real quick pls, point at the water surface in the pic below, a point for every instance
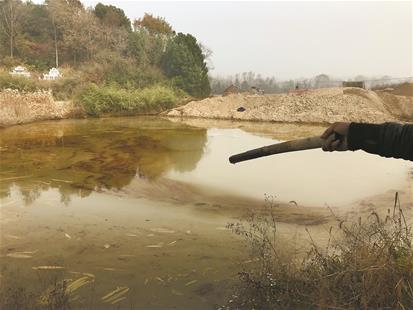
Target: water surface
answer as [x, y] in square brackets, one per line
[142, 203]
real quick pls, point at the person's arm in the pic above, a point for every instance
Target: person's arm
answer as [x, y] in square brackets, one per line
[388, 139]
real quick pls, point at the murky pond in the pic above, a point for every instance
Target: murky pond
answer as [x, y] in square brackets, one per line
[133, 210]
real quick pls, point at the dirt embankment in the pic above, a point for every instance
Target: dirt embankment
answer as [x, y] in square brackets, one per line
[399, 101]
[312, 106]
[19, 108]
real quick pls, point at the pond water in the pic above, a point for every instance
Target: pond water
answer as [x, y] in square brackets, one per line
[141, 203]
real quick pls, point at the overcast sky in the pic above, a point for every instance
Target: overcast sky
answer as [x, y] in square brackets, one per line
[294, 39]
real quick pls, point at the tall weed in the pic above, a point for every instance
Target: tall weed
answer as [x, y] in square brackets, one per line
[366, 265]
[97, 100]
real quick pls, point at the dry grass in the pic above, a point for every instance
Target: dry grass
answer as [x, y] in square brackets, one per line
[366, 265]
[54, 298]
[18, 107]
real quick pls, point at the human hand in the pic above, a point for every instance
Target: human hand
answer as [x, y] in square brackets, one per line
[335, 137]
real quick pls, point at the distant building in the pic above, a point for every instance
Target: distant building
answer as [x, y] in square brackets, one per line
[231, 90]
[359, 84]
[52, 75]
[20, 71]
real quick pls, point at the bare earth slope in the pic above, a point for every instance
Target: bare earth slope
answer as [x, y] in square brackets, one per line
[313, 106]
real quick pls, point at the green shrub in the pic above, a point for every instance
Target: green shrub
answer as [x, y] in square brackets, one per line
[110, 68]
[98, 100]
[64, 88]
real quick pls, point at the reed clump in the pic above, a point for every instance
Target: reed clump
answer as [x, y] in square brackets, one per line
[97, 100]
[18, 107]
[367, 264]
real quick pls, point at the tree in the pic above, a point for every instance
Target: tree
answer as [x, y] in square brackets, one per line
[244, 86]
[55, 42]
[35, 37]
[154, 25]
[322, 80]
[146, 48]
[184, 62]
[138, 47]
[147, 43]
[9, 9]
[250, 77]
[112, 16]
[77, 32]
[207, 52]
[236, 82]
[246, 80]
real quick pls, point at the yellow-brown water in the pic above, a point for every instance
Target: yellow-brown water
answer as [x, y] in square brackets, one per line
[142, 203]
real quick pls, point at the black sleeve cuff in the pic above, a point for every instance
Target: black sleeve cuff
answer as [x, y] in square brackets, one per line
[362, 136]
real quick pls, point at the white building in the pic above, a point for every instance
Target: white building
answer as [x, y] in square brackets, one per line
[20, 71]
[52, 75]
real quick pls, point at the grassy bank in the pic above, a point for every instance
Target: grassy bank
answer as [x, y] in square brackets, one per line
[366, 265]
[24, 100]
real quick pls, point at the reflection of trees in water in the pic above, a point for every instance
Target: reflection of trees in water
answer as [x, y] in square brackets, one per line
[78, 157]
[30, 194]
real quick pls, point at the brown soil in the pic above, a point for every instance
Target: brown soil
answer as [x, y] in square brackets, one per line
[405, 89]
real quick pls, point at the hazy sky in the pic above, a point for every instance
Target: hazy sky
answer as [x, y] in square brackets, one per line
[294, 39]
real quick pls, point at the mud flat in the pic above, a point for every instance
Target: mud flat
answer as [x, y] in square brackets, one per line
[327, 105]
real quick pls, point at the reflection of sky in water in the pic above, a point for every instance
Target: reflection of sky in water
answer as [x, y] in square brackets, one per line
[308, 177]
[78, 157]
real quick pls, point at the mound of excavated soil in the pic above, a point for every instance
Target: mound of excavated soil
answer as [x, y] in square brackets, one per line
[401, 107]
[313, 106]
[405, 89]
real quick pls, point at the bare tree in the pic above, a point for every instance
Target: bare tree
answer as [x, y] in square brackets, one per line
[207, 54]
[55, 41]
[9, 22]
[75, 31]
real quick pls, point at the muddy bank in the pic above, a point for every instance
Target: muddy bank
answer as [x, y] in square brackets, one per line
[20, 108]
[309, 106]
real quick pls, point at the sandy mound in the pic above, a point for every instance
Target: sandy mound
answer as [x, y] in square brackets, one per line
[313, 106]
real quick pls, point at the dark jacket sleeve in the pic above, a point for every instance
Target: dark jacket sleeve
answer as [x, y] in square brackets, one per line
[388, 139]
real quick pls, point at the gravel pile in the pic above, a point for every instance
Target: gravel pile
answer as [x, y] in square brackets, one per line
[314, 106]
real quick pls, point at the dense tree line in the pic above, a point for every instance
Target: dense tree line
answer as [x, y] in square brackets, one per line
[102, 43]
